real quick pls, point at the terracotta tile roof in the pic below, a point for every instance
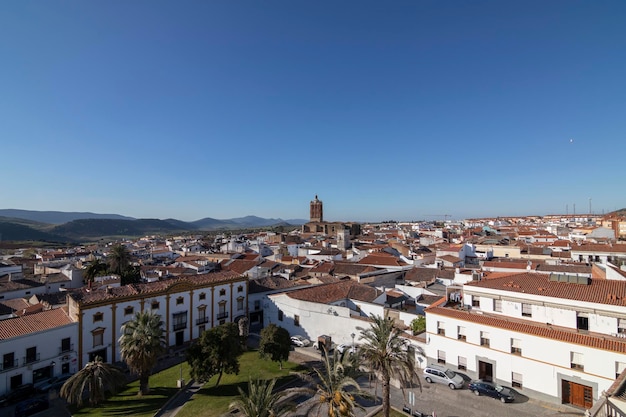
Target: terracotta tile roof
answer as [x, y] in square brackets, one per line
[18, 284]
[240, 266]
[273, 283]
[32, 323]
[85, 297]
[381, 259]
[350, 268]
[322, 268]
[421, 274]
[593, 340]
[450, 258]
[601, 291]
[569, 269]
[591, 247]
[505, 264]
[340, 290]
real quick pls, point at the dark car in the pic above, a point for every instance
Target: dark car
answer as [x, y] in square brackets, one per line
[492, 390]
[53, 383]
[18, 394]
[30, 407]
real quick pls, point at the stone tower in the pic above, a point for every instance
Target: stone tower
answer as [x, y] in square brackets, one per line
[316, 212]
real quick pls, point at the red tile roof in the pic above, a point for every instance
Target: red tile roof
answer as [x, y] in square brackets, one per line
[341, 290]
[593, 340]
[33, 323]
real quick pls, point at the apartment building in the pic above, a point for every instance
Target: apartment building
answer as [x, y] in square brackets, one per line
[556, 337]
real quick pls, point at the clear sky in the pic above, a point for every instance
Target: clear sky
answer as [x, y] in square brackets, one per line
[386, 110]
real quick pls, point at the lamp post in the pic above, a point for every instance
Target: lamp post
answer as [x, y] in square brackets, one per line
[352, 335]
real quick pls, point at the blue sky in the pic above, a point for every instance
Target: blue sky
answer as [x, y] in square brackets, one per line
[386, 110]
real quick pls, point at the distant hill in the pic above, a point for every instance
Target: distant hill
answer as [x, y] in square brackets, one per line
[57, 217]
[31, 227]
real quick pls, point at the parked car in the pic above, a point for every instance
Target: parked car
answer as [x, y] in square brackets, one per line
[480, 387]
[300, 341]
[18, 394]
[443, 375]
[53, 383]
[29, 407]
[346, 347]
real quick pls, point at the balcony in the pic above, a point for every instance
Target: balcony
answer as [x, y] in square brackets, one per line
[66, 349]
[222, 315]
[31, 359]
[179, 326]
[6, 365]
[202, 320]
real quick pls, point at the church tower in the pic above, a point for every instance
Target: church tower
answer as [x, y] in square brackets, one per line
[316, 212]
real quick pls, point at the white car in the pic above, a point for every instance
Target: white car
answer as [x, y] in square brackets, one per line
[300, 341]
[346, 347]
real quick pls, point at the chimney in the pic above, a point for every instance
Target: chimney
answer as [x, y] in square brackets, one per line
[108, 290]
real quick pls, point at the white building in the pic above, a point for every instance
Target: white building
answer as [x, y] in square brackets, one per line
[188, 305]
[555, 337]
[37, 346]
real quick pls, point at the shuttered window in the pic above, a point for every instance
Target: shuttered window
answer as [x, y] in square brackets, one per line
[461, 333]
[619, 368]
[462, 363]
[577, 361]
[516, 380]
[441, 356]
[516, 346]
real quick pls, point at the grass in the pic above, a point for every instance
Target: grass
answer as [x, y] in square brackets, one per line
[162, 387]
[208, 402]
[213, 401]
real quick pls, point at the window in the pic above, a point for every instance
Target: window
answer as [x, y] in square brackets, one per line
[240, 288]
[280, 315]
[516, 346]
[221, 313]
[475, 301]
[296, 320]
[619, 368]
[441, 357]
[98, 337]
[516, 380]
[202, 296]
[461, 333]
[577, 361]
[527, 310]
[9, 361]
[66, 345]
[484, 339]
[201, 329]
[621, 326]
[31, 355]
[179, 320]
[497, 306]
[202, 318]
[441, 329]
[180, 301]
[240, 303]
[98, 317]
[462, 363]
[582, 321]
[128, 310]
[257, 305]
[222, 292]
[155, 305]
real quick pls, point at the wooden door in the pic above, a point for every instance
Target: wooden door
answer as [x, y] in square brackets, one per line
[576, 394]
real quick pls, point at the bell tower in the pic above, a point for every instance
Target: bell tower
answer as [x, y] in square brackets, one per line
[316, 211]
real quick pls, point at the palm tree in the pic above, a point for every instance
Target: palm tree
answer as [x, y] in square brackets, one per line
[141, 343]
[95, 268]
[118, 259]
[337, 387]
[97, 378]
[260, 401]
[387, 354]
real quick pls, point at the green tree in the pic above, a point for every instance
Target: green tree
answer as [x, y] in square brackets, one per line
[275, 344]
[96, 378]
[387, 354]
[216, 352]
[118, 259]
[336, 385]
[95, 269]
[261, 401]
[141, 343]
[418, 325]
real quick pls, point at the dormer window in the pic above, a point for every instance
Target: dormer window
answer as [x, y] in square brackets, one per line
[202, 296]
[98, 317]
[129, 310]
[155, 305]
[180, 300]
[222, 292]
[240, 288]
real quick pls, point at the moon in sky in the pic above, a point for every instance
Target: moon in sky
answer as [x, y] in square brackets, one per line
[571, 141]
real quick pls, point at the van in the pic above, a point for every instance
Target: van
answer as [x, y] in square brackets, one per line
[442, 375]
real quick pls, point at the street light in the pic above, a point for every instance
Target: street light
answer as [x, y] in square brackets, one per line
[352, 335]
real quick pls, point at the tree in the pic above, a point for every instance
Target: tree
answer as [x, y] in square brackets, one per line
[387, 354]
[261, 401]
[97, 378]
[337, 387]
[275, 344]
[244, 330]
[118, 259]
[215, 352]
[141, 343]
[95, 268]
[418, 325]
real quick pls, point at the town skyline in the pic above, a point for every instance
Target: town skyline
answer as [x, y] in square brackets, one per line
[396, 111]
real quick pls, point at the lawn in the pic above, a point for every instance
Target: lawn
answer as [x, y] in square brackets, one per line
[208, 402]
[213, 401]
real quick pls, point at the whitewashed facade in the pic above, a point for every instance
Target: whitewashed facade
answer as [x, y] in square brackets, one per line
[188, 305]
[558, 340]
